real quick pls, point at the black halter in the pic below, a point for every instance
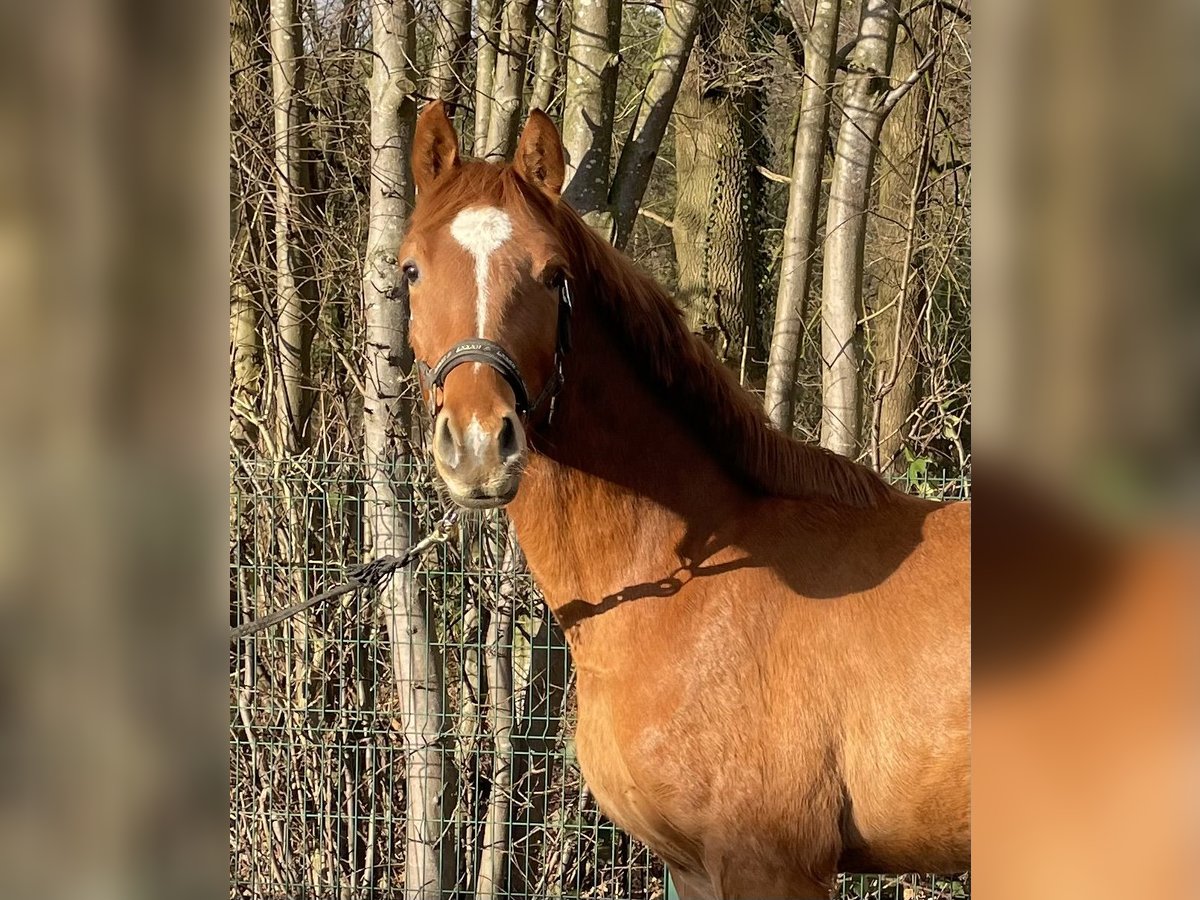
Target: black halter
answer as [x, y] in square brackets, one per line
[490, 353]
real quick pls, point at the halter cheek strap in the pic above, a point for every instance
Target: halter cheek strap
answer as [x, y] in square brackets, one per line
[481, 350]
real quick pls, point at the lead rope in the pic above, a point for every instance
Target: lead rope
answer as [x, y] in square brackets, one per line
[374, 574]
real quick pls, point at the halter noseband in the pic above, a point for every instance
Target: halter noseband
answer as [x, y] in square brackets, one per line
[490, 353]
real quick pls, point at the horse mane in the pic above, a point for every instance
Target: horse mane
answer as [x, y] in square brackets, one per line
[646, 321]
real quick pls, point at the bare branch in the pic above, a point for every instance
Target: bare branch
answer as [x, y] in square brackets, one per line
[655, 217]
[772, 176]
[896, 94]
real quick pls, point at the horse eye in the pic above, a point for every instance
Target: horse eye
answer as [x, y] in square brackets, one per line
[554, 278]
[410, 271]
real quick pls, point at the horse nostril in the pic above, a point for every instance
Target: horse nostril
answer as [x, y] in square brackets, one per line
[509, 446]
[444, 442]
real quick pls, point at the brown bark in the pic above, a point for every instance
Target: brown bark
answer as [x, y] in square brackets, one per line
[715, 199]
[804, 194]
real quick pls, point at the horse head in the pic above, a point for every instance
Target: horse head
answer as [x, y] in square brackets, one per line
[488, 290]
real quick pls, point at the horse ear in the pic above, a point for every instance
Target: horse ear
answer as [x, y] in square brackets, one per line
[539, 157]
[435, 146]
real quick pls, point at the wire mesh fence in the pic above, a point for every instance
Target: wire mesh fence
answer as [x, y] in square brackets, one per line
[320, 773]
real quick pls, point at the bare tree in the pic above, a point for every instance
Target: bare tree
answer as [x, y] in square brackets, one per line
[451, 29]
[386, 412]
[293, 290]
[508, 85]
[250, 61]
[494, 861]
[590, 97]
[486, 41]
[716, 138]
[547, 60]
[681, 20]
[899, 291]
[867, 98]
[819, 29]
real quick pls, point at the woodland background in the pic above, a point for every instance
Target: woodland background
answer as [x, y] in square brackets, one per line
[798, 172]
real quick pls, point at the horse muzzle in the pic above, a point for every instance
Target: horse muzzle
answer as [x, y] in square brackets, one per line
[480, 463]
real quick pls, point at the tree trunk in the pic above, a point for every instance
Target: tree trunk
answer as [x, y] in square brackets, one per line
[493, 863]
[486, 41]
[716, 194]
[804, 195]
[546, 65]
[386, 413]
[250, 63]
[246, 344]
[451, 29]
[899, 294]
[680, 23]
[293, 269]
[508, 88]
[535, 744]
[591, 95]
[863, 96]
[468, 752]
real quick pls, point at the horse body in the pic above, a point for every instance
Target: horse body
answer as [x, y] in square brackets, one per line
[772, 646]
[771, 690]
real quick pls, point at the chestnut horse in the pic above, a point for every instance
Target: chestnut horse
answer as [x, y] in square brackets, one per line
[772, 645]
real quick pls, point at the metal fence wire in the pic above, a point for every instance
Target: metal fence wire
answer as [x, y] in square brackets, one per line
[318, 763]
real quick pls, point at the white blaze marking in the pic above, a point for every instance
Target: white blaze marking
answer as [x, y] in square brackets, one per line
[481, 231]
[477, 438]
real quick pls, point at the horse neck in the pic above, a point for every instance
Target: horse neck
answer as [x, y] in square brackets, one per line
[618, 491]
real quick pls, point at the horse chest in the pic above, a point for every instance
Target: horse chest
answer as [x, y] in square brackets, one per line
[624, 770]
[601, 755]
